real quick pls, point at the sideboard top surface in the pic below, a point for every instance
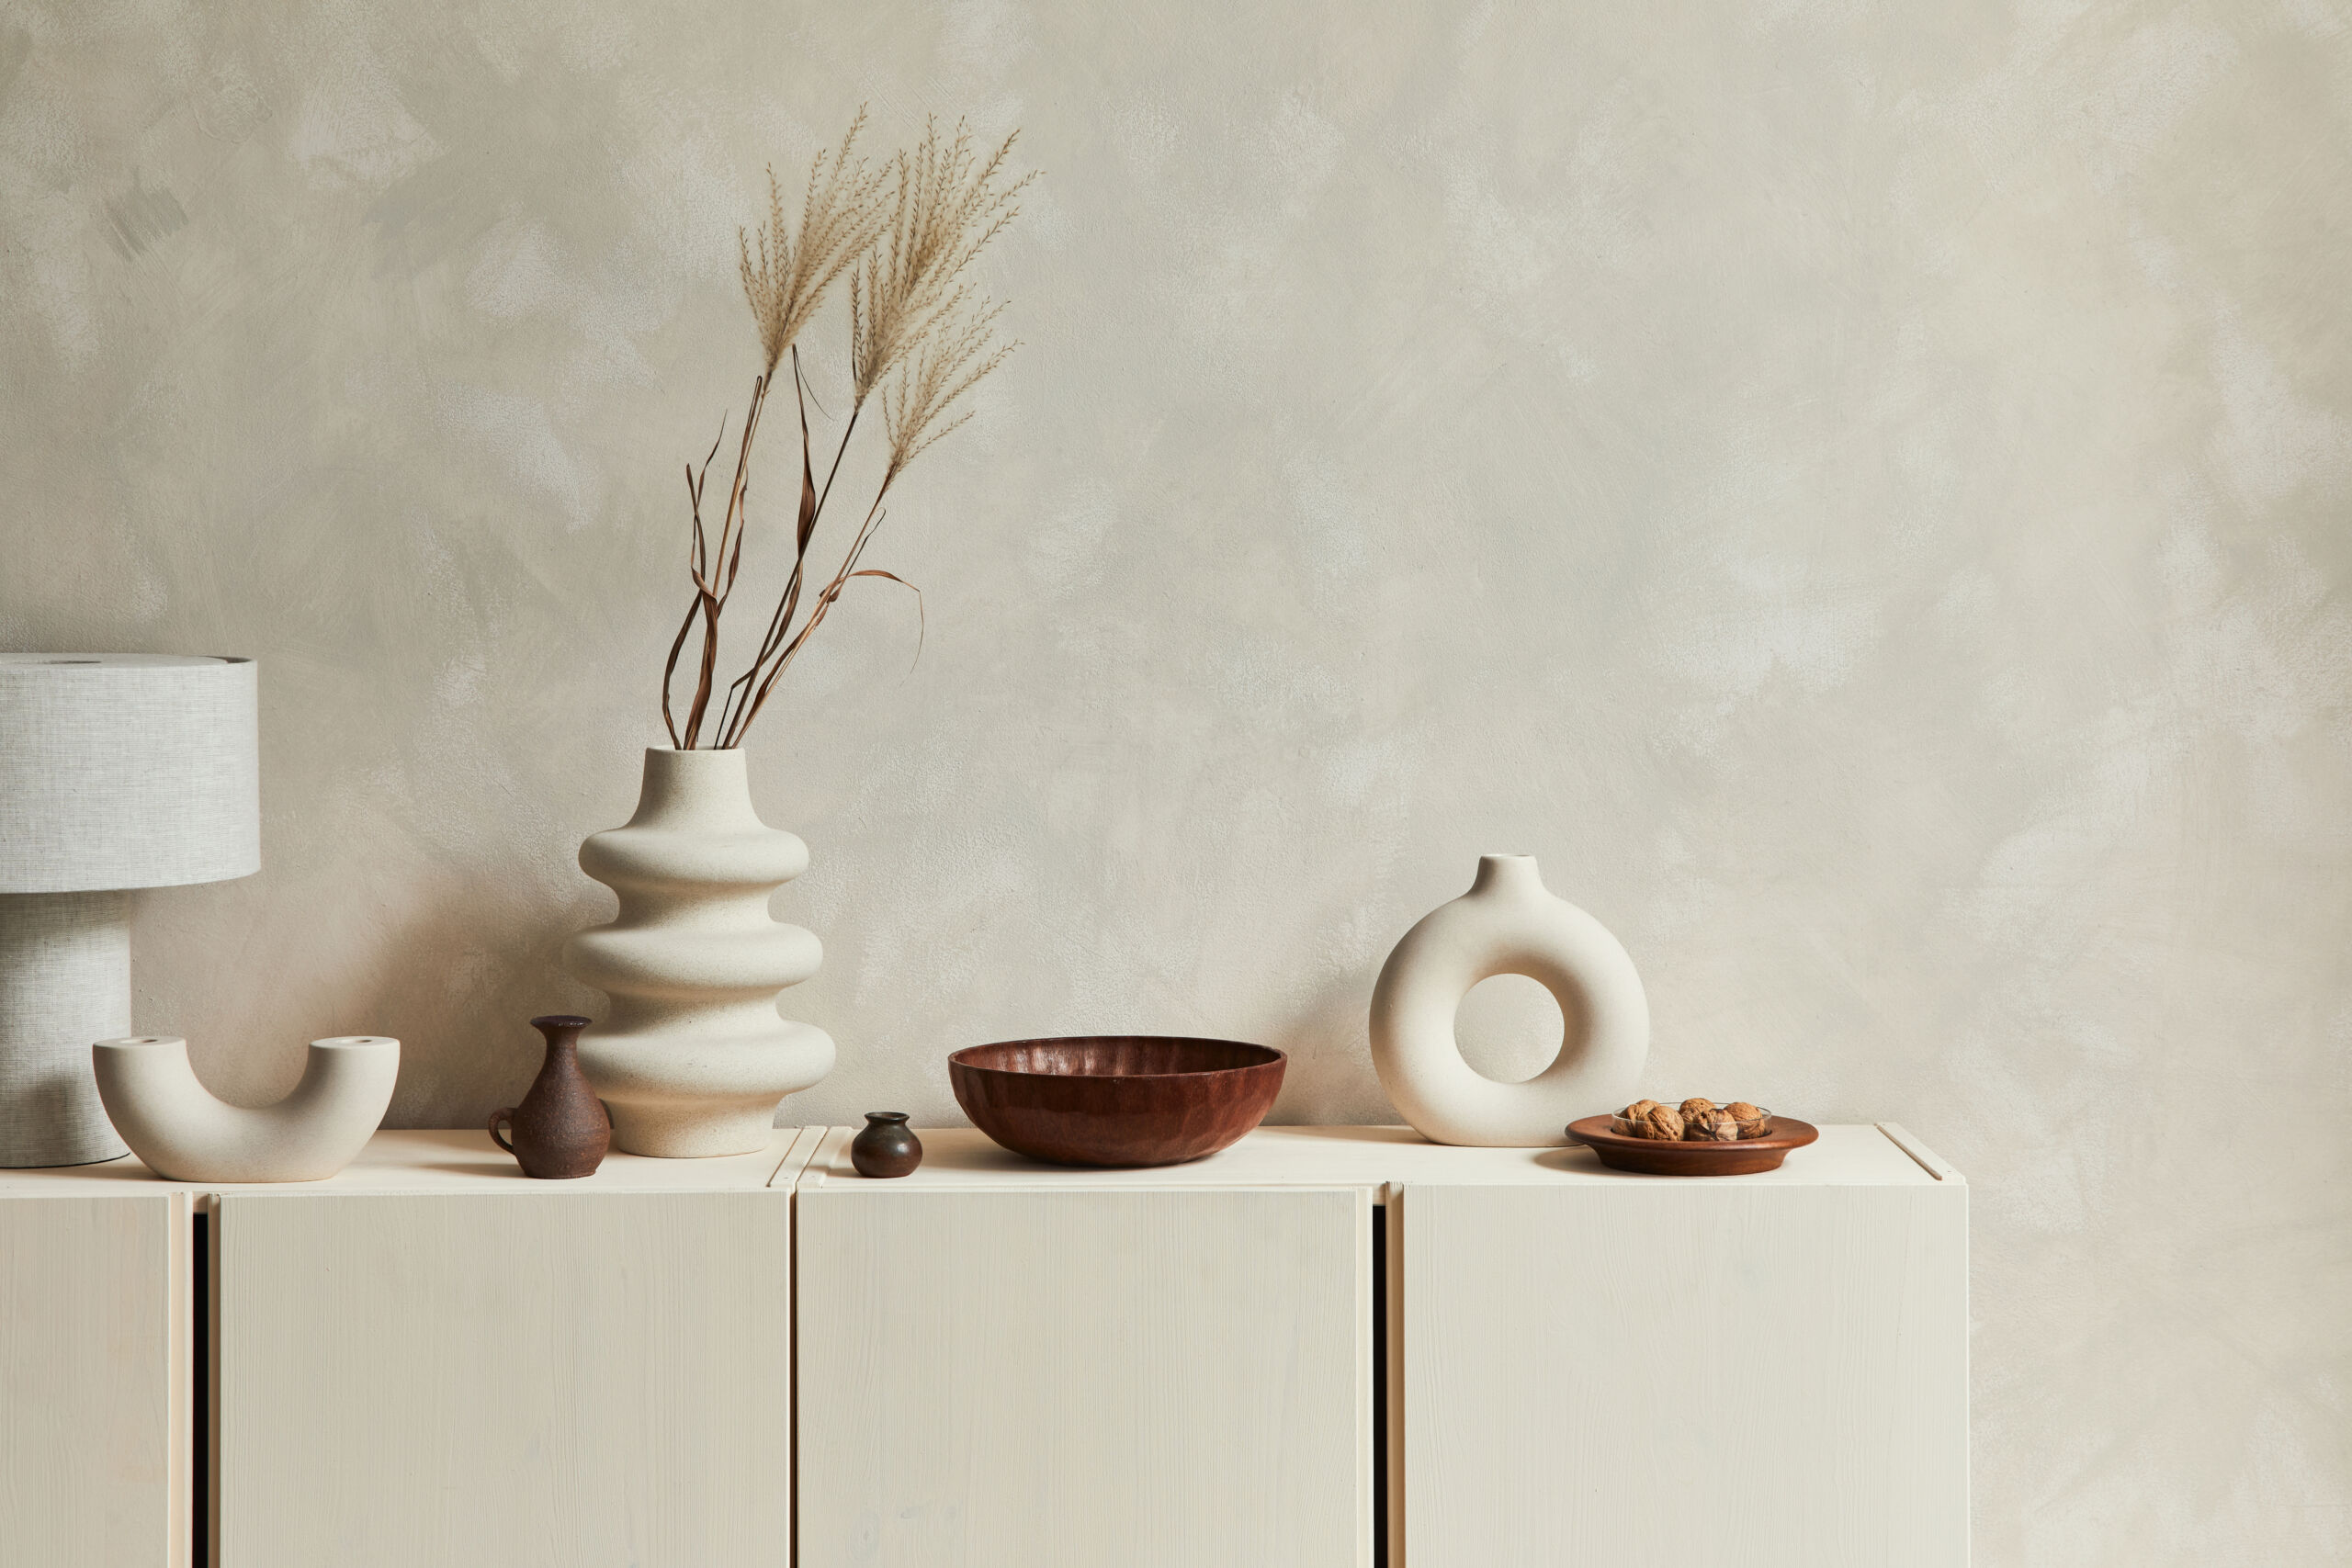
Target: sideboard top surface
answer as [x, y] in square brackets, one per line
[414, 1160]
[964, 1159]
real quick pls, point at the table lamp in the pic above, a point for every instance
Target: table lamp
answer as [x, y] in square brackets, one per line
[116, 771]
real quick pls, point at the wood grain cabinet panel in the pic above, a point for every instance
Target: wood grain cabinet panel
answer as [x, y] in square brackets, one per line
[429, 1360]
[1652, 1373]
[95, 1343]
[1049, 1376]
[558, 1379]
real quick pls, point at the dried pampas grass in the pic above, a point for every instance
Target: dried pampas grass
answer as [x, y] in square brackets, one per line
[785, 274]
[920, 337]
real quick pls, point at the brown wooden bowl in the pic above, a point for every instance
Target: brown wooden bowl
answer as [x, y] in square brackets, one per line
[1654, 1157]
[1121, 1101]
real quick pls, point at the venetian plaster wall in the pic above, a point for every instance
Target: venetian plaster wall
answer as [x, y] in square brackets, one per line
[1858, 492]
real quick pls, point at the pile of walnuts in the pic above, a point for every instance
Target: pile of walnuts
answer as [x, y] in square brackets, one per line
[1695, 1121]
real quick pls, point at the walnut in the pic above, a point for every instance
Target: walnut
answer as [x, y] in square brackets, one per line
[1714, 1127]
[1696, 1106]
[1754, 1119]
[1663, 1122]
[1627, 1123]
[1745, 1111]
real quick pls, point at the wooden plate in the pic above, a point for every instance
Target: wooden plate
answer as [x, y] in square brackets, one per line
[1655, 1158]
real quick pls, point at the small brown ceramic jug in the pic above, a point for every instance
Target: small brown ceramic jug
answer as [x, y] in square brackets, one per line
[887, 1146]
[562, 1129]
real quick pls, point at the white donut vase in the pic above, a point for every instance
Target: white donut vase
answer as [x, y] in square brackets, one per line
[1508, 923]
[184, 1132]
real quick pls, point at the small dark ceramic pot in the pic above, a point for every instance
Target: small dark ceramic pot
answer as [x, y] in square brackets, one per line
[887, 1147]
[562, 1129]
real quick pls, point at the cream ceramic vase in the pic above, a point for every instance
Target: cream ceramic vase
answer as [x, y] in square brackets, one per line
[692, 1058]
[1508, 923]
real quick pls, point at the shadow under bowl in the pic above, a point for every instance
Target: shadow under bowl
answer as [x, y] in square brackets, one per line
[1117, 1101]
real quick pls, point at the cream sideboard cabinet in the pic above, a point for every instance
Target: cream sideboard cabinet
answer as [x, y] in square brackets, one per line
[1624, 1369]
[96, 1377]
[1008, 1363]
[1324, 1348]
[1004, 1365]
[431, 1358]
[427, 1360]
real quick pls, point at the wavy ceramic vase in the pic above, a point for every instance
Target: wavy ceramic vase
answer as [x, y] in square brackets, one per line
[184, 1134]
[692, 1058]
[1508, 923]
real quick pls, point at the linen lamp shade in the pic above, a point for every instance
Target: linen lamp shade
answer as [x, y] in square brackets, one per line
[116, 771]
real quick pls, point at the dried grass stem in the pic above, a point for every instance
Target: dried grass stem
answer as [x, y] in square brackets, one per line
[920, 337]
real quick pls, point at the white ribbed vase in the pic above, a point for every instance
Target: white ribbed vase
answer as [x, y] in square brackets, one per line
[691, 1056]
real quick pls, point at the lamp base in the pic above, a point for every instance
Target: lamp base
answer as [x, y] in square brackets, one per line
[64, 985]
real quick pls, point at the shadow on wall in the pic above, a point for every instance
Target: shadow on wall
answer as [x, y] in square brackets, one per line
[458, 980]
[467, 1046]
[456, 985]
[1328, 1039]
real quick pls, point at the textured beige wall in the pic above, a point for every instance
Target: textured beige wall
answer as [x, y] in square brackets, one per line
[1858, 492]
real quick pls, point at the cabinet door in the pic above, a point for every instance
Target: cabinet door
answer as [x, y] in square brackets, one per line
[565, 1381]
[1091, 1379]
[94, 1380]
[1666, 1373]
